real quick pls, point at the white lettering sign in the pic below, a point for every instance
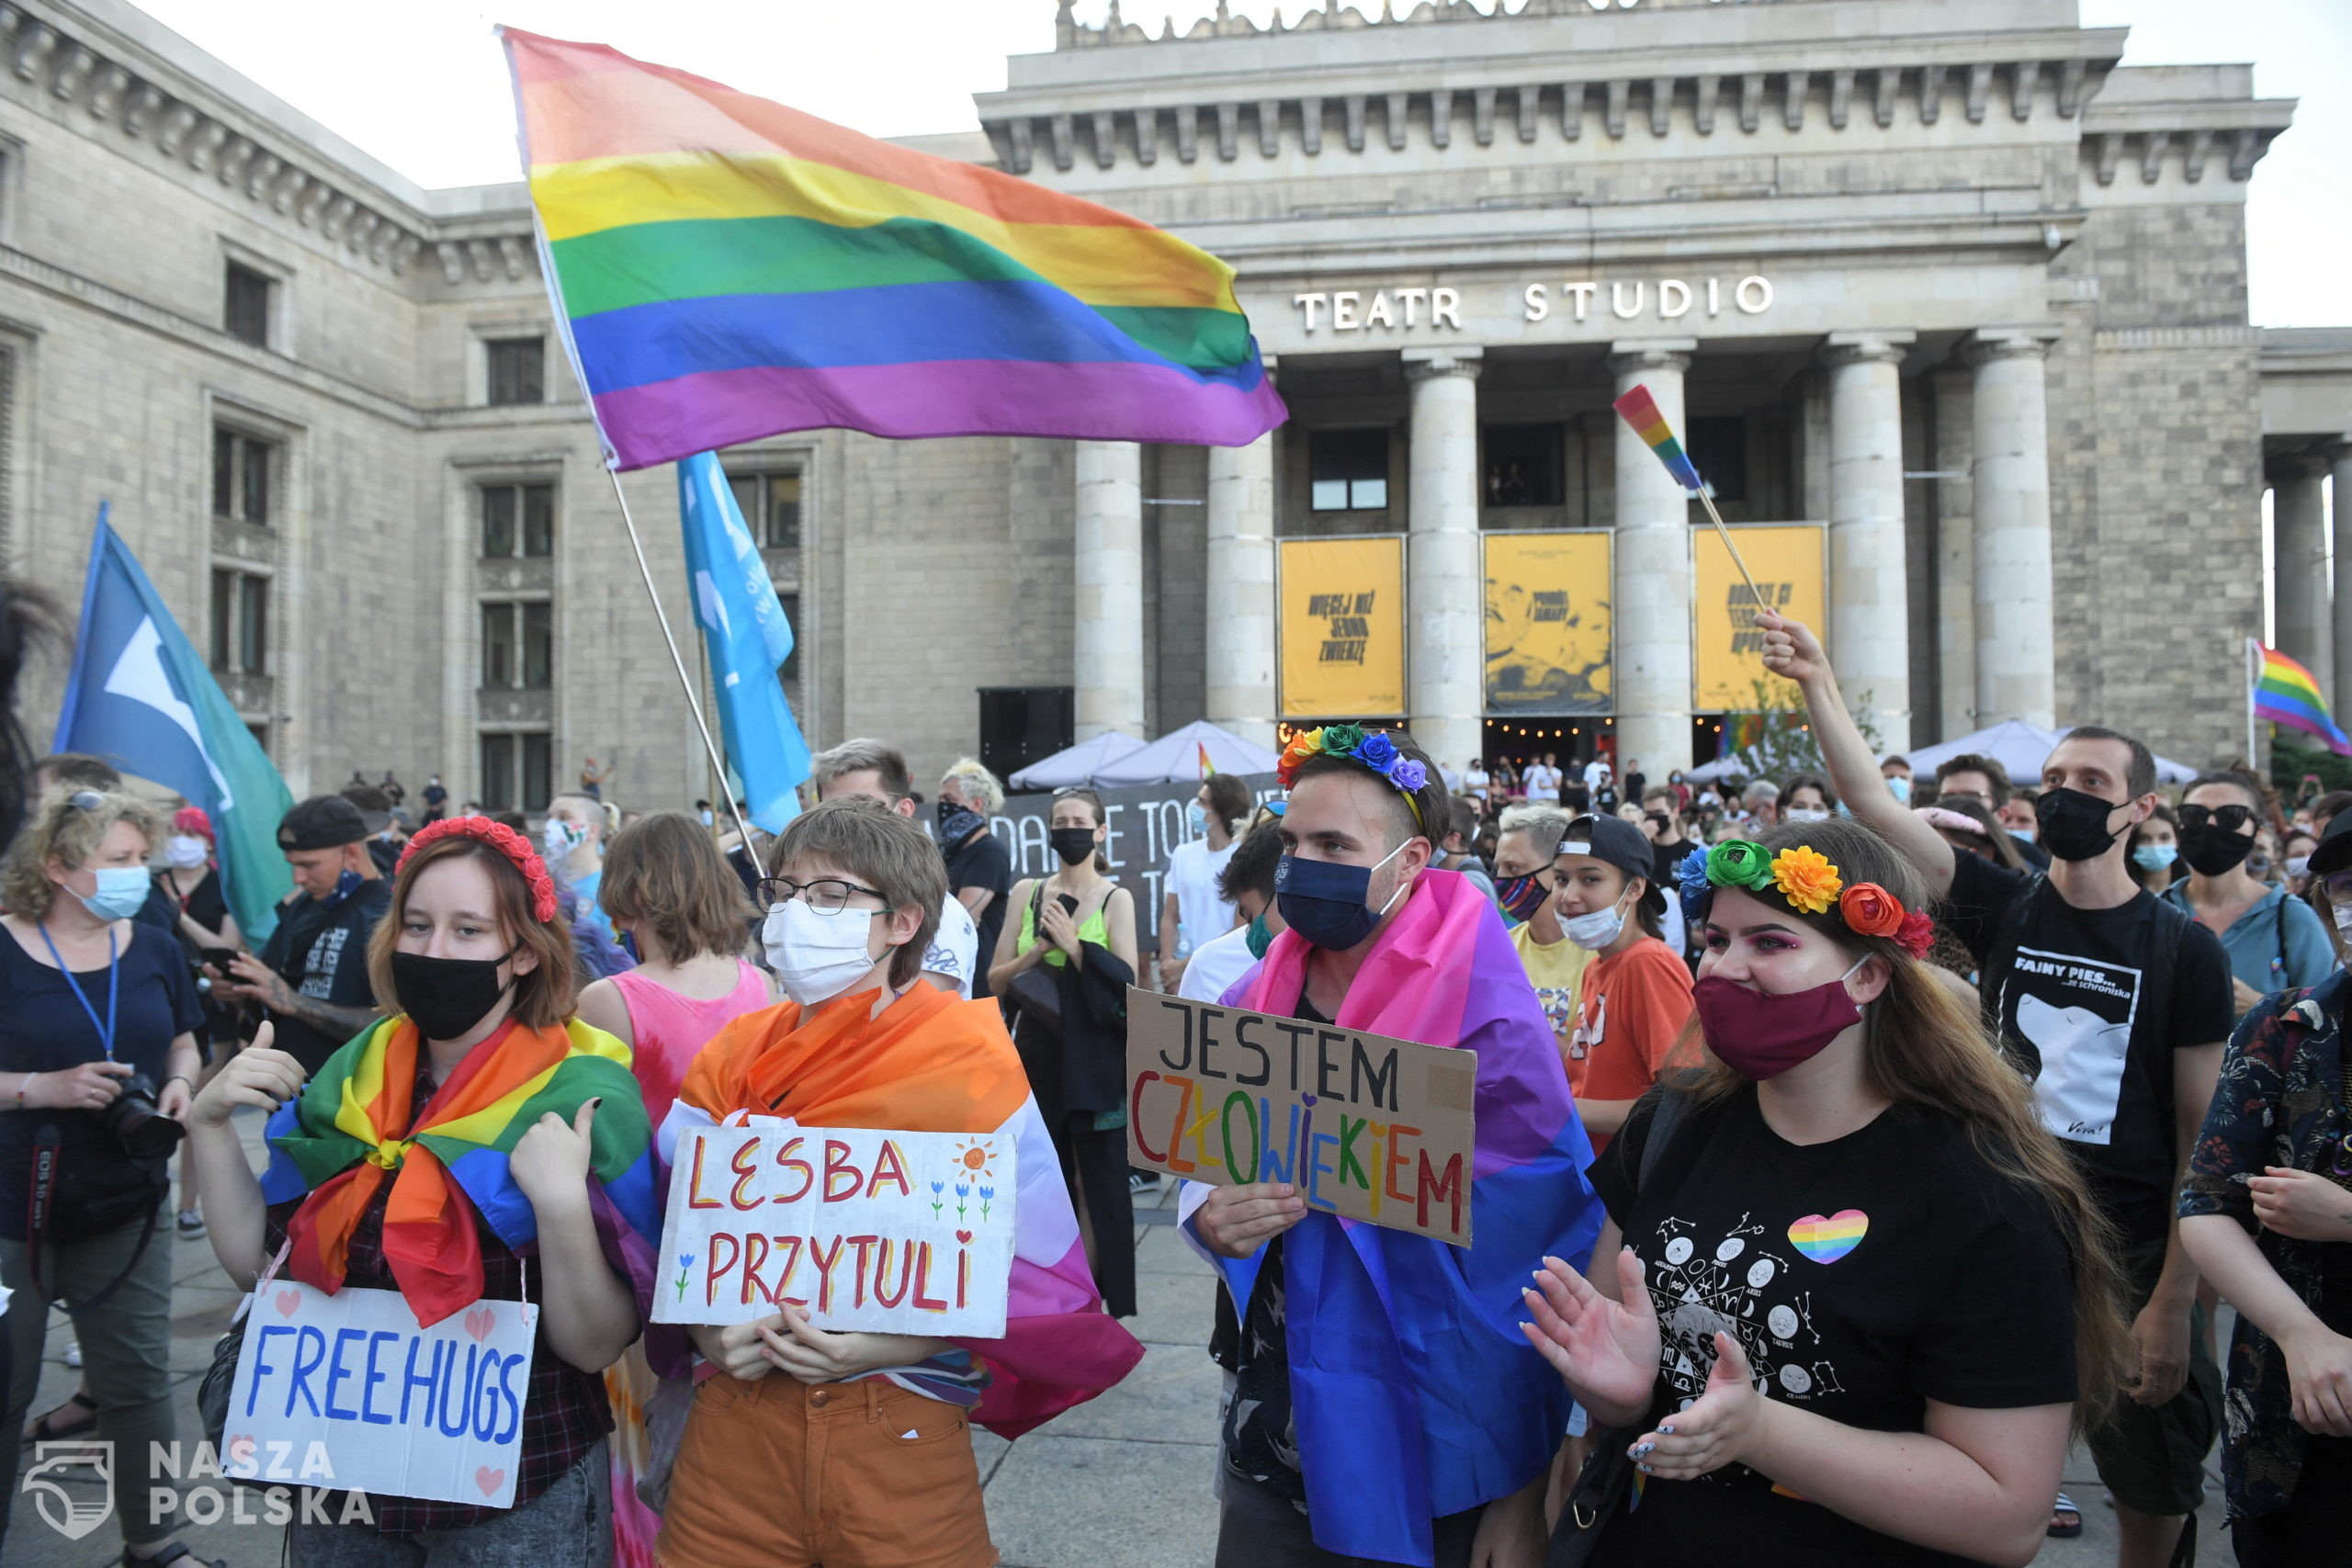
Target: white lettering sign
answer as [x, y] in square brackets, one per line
[1384, 311]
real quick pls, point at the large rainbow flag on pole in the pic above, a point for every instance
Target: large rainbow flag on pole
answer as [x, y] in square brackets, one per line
[728, 268]
[2285, 692]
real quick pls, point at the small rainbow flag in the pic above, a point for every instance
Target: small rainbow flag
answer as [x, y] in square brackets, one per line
[1208, 769]
[728, 268]
[2284, 693]
[1638, 409]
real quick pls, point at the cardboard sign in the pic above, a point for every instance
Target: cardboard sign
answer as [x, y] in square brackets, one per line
[397, 1409]
[896, 1232]
[1375, 1129]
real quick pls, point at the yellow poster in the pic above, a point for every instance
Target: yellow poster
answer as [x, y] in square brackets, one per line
[1548, 624]
[1791, 571]
[1342, 627]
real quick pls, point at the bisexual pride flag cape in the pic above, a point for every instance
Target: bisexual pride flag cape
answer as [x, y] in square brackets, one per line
[349, 1131]
[1413, 1393]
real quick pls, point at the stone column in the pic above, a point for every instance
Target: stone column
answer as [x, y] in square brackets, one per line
[2298, 565]
[1445, 590]
[2015, 644]
[2340, 697]
[1870, 622]
[1107, 653]
[1240, 641]
[1650, 588]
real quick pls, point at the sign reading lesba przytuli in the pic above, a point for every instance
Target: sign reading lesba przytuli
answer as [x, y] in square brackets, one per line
[1374, 1128]
[894, 1232]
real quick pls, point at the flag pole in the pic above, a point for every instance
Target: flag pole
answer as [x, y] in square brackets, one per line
[2253, 684]
[678, 663]
[1755, 599]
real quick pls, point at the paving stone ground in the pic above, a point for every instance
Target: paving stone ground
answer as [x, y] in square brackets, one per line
[1121, 1481]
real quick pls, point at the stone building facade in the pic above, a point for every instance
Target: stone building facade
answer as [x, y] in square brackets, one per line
[1937, 274]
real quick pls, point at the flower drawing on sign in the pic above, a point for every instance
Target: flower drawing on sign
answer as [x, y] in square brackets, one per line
[963, 1190]
[936, 1189]
[686, 1263]
[987, 1195]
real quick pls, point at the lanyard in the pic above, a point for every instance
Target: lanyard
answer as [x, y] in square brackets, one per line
[114, 977]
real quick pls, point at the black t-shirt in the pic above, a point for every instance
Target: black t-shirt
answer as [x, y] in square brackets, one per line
[981, 862]
[2077, 1006]
[1669, 858]
[1863, 1277]
[208, 905]
[321, 949]
[49, 1032]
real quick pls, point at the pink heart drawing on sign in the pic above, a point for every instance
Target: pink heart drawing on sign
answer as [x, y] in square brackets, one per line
[490, 1480]
[963, 1235]
[238, 1452]
[287, 1302]
[479, 1321]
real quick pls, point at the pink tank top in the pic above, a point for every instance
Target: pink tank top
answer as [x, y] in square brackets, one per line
[671, 1030]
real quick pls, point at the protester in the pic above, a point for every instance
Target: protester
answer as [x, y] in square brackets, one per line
[375, 816]
[1807, 798]
[475, 961]
[1456, 851]
[1896, 772]
[787, 1469]
[1681, 788]
[100, 1055]
[2300, 844]
[1543, 779]
[206, 927]
[2117, 1004]
[313, 974]
[1923, 1346]
[953, 960]
[1759, 804]
[1477, 782]
[1600, 787]
[1193, 913]
[2155, 850]
[1526, 883]
[573, 841]
[2275, 943]
[1662, 824]
[1079, 925]
[979, 870]
[1634, 997]
[1248, 883]
[1381, 1409]
[592, 777]
[1636, 782]
[436, 799]
[2329, 807]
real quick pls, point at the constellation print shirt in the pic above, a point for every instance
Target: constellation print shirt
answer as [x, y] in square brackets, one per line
[1862, 1278]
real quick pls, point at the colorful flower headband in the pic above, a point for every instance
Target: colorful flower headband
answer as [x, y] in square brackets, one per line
[1805, 878]
[1371, 747]
[506, 841]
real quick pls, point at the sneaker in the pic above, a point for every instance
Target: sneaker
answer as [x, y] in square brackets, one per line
[1139, 1183]
[190, 1222]
[74, 1354]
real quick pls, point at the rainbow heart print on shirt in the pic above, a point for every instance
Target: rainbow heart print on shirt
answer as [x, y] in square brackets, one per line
[1827, 1240]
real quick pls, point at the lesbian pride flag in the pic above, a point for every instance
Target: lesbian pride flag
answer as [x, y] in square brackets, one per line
[728, 268]
[2285, 692]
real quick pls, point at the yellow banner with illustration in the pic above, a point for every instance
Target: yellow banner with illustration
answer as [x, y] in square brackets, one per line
[1548, 624]
[1789, 563]
[1341, 627]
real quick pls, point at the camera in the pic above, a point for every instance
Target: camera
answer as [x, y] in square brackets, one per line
[144, 1132]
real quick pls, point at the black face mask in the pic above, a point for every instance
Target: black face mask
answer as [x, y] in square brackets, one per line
[2212, 849]
[1073, 844]
[958, 823]
[446, 996]
[2073, 824]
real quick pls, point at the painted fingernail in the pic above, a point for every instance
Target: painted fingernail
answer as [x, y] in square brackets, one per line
[1551, 1262]
[1667, 1427]
[1646, 1470]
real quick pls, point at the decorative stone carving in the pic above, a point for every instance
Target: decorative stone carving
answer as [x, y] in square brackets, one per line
[1270, 127]
[1530, 100]
[1393, 118]
[1188, 133]
[1058, 127]
[1980, 87]
[1441, 116]
[1228, 132]
[35, 43]
[1612, 113]
[1751, 101]
[1355, 104]
[1572, 110]
[1841, 94]
[1106, 138]
[2110, 149]
[2025, 76]
[107, 89]
[1146, 137]
[517, 259]
[1310, 126]
[2152, 156]
[205, 144]
[2192, 161]
[142, 109]
[176, 123]
[1661, 104]
[1796, 86]
[1931, 94]
[2070, 87]
[1885, 81]
[72, 72]
[1702, 108]
[453, 257]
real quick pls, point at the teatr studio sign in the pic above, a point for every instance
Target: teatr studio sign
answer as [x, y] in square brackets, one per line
[1425, 308]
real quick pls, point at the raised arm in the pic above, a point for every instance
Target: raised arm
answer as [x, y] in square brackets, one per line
[1793, 651]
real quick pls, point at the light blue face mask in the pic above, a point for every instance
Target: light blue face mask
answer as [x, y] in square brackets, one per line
[1196, 820]
[1900, 787]
[121, 892]
[2154, 857]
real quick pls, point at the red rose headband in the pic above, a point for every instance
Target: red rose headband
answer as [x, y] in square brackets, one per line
[506, 841]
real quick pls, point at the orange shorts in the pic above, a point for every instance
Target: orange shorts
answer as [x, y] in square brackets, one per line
[778, 1474]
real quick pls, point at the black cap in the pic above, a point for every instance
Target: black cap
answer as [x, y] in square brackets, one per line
[321, 822]
[2334, 851]
[1612, 839]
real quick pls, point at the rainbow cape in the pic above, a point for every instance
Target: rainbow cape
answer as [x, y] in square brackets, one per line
[1638, 409]
[2285, 692]
[933, 1064]
[349, 1131]
[728, 268]
[1414, 1393]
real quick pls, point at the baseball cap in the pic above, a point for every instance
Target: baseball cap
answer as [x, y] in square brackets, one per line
[1613, 841]
[2334, 850]
[321, 822]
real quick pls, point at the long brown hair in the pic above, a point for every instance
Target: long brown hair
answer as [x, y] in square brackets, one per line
[543, 999]
[1921, 1046]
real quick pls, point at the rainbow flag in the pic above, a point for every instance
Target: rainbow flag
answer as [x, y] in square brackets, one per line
[1638, 409]
[1208, 769]
[2284, 693]
[728, 268]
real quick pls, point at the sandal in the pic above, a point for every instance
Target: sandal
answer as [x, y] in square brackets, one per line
[44, 1428]
[2064, 1506]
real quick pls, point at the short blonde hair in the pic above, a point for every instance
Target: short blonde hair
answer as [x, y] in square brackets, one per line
[979, 785]
[70, 833]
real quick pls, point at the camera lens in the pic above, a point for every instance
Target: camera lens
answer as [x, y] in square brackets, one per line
[132, 1119]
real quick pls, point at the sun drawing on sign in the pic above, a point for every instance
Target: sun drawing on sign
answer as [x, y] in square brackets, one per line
[973, 1160]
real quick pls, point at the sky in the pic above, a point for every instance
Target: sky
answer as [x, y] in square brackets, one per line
[428, 94]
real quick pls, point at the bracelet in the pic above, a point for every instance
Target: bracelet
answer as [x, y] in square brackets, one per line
[181, 1077]
[23, 1083]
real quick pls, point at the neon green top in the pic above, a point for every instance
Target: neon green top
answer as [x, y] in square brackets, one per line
[1093, 930]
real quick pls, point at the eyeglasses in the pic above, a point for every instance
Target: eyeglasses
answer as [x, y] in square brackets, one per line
[86, 800]
[826, 895]
[2228, 819]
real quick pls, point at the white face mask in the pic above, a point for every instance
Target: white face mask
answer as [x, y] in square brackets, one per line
[817, 957]
[184, 851]
[1598, 930]
[1804, 813]
[2343, 913]
[561, 837]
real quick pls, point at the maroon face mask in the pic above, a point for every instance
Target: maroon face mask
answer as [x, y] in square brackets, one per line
[1762, 1035]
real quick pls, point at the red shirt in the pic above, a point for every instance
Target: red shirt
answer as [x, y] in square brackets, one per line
[1631, 1009]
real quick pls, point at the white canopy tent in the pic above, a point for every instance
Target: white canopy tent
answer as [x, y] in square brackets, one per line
[1175, 758]
[1076, 765]
[2020, 748]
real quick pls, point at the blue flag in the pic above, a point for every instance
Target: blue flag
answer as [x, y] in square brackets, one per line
[747, 635]
[140, 698]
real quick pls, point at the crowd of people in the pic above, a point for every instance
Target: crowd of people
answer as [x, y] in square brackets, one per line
[1848, 1144]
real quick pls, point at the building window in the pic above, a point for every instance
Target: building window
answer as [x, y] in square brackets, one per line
[1348, 470]
[517, 772]
[517, 520]
[1523, 466]
[518, 645]
[240, 623]
[518, 370]
[1719, 451]
[247, 311]
[789, 670]
[771, 508]
[241, 487]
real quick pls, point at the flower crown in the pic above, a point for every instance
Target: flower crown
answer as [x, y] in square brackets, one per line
[506, 841]
[1805, 878]
[1371, 747]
